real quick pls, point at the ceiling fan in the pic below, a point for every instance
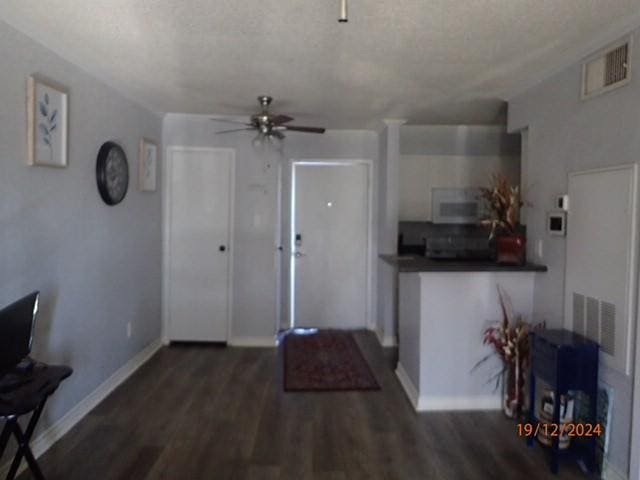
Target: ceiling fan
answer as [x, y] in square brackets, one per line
[268, 125]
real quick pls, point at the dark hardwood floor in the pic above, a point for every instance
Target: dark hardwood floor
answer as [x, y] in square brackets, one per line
[204, 412]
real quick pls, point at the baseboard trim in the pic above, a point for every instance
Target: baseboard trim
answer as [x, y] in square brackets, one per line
[450, 403]
[609, 472]
[51, 435]
[385, 340]
[445, 403]
[408, 386]
[389, 341]
[253, 342]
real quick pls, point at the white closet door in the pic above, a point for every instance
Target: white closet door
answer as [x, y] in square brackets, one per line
[200, 208]
[600, 284]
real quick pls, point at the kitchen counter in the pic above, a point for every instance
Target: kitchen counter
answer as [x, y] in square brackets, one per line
[415, 263]
[441, 319]
[437, 310]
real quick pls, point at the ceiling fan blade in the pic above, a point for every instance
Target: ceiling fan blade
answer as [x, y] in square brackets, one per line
[235, 122]
[293, 128]
[234, 130]
[280, 119]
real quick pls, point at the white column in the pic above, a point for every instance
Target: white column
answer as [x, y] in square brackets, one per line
[388, 215]
[391, 167]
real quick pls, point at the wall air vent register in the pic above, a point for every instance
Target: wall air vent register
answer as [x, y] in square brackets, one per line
[607, 70]
[596, 320]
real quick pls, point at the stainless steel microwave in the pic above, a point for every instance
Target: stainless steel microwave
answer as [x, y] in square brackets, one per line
[456, 205]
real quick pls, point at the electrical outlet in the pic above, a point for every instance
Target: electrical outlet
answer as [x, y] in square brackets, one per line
[129, 330]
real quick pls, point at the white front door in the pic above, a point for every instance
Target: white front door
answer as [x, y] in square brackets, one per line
[200, 189]
[330, 232]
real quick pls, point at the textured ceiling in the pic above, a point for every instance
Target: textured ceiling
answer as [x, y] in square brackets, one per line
[429, 61]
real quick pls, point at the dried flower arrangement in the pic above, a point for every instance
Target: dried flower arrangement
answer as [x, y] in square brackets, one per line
[503, 202]
[509, 338]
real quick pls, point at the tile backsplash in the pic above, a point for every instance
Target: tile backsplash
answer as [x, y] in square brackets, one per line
[413, 236]
[415, 233]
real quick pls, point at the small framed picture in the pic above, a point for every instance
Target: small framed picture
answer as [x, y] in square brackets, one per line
[147, 165]
[47, 122]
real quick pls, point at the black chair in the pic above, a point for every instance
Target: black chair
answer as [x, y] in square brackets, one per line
[25, 385]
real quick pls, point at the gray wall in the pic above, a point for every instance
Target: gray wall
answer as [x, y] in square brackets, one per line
[565, 135]
[97, 267]
[466, 140]
[255, 258]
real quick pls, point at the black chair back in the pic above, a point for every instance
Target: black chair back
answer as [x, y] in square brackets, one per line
[17, 323]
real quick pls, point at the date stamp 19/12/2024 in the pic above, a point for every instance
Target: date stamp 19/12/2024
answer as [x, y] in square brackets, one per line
[560, 429]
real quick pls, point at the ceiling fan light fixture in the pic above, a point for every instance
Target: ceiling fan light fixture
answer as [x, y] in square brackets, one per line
[344, 13]
[258, 141]
[270, 127]
[262, 142]
[275, 142]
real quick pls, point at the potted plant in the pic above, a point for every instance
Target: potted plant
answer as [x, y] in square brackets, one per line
[503, 204]
[509, 338]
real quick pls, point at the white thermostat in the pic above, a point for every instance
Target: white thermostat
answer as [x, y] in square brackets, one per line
[562, 203]
[557, 223]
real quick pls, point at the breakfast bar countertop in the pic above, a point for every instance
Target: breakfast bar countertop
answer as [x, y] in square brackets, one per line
[417, 263]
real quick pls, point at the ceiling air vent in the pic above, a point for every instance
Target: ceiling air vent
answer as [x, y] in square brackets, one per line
[607, 70]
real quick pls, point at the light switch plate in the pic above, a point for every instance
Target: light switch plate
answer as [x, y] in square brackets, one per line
[539, 248]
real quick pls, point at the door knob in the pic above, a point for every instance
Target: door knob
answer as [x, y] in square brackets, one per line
[222, 248]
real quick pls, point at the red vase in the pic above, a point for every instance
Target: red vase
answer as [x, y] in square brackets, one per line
[511, 249]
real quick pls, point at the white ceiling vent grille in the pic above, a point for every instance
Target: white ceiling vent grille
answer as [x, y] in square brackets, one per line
[616, 65]
[607, 70]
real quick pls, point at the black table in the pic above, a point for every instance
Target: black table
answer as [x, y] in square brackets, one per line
[566, 361]
[25, 390]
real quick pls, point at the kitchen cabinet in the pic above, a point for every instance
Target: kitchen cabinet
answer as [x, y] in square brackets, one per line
[418, 174]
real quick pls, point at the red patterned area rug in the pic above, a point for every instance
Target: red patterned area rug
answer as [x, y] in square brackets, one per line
[325, 361]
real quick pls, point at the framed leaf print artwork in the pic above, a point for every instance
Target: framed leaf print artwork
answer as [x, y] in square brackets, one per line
[47, 105]
[147, 165]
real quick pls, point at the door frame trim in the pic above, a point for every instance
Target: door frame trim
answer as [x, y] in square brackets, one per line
[369, 164]
[166, 222]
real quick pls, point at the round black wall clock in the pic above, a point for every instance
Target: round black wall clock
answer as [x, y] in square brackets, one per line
[112, 173]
